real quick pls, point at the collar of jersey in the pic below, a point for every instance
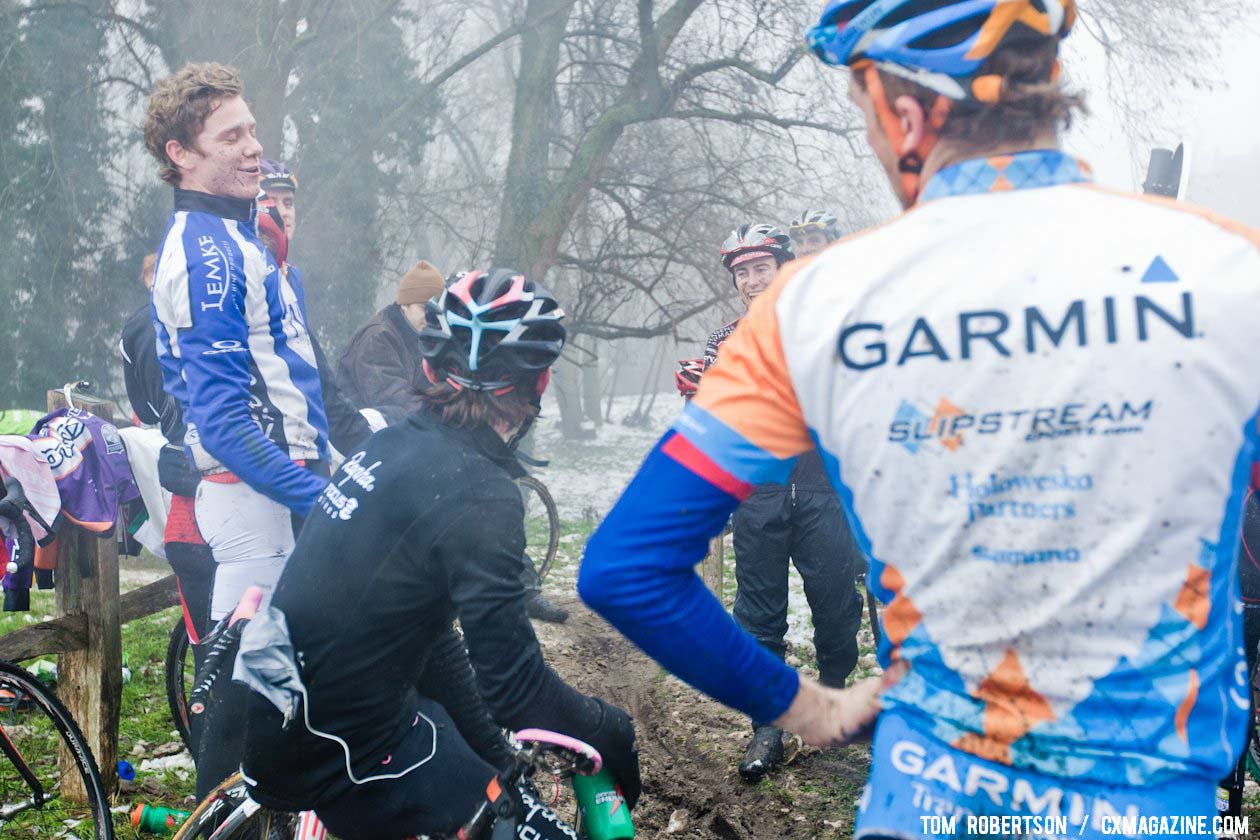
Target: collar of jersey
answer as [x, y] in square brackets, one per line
[1004, 173]
[239, 209]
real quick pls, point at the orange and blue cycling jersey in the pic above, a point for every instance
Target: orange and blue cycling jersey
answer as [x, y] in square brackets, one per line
[1035, 400]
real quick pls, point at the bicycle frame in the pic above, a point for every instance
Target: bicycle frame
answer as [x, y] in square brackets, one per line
[38, 795]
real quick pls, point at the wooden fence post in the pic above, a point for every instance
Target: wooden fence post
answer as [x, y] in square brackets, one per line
[89, 680]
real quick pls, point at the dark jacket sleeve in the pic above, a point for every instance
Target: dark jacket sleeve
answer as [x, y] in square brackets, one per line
[448, 678]
[373, 371]
[142, 375]
[481, 552]
[347, 428]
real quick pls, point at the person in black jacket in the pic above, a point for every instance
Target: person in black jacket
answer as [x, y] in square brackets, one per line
[380, 367]
[381, 370]
[800, 521]
[422, 526]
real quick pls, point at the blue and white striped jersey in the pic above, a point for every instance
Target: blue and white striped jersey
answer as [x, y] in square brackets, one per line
[236, 352]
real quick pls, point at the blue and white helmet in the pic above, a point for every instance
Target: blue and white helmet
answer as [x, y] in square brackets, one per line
[940, 44]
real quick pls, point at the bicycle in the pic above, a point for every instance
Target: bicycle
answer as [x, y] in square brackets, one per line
[39, 738]
[180, 673]
[229, 813]
[542, 524]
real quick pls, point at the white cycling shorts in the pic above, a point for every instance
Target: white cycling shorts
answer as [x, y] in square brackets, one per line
[251, 537]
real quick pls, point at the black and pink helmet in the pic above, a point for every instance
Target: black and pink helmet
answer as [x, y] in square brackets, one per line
[490, 329]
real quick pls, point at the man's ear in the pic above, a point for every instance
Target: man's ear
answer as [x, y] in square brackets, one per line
[178, 154]
[913, 123]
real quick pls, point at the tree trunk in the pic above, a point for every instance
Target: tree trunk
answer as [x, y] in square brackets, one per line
[568, 394]
[591, 380]
[526, 186]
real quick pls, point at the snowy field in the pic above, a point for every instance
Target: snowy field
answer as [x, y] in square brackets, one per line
[586, 477]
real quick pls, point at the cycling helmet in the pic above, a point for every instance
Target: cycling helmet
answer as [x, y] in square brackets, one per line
[811, 221]
[940, 44]
[276, 176]
[687, 377]
[748, 242]
[491, 329]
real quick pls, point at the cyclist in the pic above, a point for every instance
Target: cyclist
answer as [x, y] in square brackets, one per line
[429, 519]
[1036, 401]
[813, 231]
[237, 355]
[280, 185]
[799, 521]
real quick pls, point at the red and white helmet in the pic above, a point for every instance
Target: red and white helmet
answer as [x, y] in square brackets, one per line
[687, 377]
[748, 242]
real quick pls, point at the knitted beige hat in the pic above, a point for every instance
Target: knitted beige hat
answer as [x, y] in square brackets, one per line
[421, 282]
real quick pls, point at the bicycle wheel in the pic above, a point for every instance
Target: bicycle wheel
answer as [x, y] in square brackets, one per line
[542, 524]
[229, 811]
[37, 730]
[180, 673]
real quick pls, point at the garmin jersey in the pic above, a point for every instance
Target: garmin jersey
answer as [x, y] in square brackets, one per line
[236, 351]
[1037, 403]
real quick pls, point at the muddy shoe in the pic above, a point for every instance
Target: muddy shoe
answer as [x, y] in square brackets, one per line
[764, 753]
[540, 609]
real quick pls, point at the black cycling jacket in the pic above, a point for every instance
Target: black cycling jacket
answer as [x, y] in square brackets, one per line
[423, 526]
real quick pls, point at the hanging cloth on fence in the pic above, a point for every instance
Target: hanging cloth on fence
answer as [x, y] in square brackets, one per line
[89, 463]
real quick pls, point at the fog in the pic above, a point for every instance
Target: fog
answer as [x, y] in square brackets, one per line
[450, 130]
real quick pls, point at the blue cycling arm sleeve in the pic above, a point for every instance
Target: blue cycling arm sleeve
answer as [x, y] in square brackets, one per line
[216, 367]
[639, 573]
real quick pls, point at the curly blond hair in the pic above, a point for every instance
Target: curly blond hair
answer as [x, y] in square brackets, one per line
[179, 106]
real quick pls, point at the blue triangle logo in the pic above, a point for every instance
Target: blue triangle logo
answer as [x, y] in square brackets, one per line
[1160, 272]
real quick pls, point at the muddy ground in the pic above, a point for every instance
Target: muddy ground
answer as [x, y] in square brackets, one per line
[689, 747]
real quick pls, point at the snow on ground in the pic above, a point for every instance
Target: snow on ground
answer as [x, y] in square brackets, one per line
[586, 477]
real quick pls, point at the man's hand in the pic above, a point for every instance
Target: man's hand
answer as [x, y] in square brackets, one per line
[831, 717]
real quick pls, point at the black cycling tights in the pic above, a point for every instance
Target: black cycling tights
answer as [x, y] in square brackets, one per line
[437, 797]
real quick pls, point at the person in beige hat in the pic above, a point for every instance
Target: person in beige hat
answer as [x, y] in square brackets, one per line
[380, 367]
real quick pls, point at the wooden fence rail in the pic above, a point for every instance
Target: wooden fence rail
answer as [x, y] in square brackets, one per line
[86, 631]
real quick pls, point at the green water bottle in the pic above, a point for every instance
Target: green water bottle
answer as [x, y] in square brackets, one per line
[605, 814]
[157, 820]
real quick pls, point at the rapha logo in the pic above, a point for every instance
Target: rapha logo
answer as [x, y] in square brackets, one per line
[359, 474]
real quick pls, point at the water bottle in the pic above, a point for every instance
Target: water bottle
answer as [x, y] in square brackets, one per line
[157, 820]
[605, 814]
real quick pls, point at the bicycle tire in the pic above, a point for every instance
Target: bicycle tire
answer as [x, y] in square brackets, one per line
[264, 824]
[177, 651]
[552, 514]
[17, 679]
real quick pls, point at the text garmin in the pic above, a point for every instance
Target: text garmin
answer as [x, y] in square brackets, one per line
[864, 346]
[1020, 795]
[1111, 417]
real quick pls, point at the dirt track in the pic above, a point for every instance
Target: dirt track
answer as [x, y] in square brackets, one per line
[689, 746]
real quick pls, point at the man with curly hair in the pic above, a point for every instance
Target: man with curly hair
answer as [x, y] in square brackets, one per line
[236, 353]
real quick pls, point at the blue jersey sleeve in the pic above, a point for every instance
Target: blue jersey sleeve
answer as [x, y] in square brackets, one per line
[216, 367]
[639, 573]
